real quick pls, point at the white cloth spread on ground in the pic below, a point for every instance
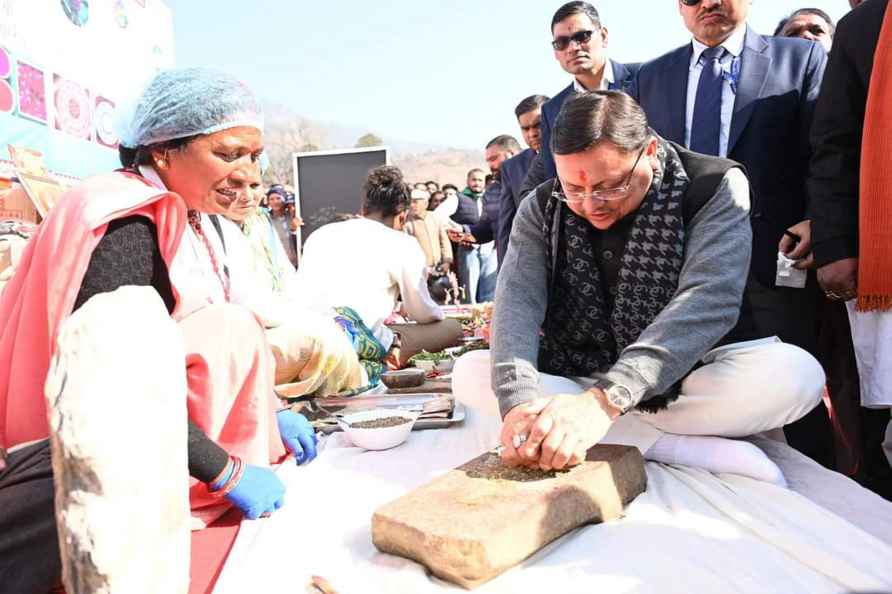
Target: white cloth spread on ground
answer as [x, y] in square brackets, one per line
[364, 265]
[690, 532]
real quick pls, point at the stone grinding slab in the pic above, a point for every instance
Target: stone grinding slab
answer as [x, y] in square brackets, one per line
[482, 518]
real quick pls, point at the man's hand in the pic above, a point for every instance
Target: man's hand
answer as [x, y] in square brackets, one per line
[839, 279]
[565, 430]
[801, 250]
[461, 237]
[517, 423]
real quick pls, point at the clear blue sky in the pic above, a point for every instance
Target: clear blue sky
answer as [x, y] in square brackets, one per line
[434, 71]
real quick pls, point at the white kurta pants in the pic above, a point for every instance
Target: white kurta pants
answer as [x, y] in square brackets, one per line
[872, 338]
[742, 389]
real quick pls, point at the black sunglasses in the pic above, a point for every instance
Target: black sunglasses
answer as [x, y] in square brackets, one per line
[690, 2]
[563, 42]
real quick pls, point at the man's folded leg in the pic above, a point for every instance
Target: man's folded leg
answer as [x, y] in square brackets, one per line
[743, 389]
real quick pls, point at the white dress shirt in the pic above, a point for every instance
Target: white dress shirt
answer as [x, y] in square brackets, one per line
[734, 47]
[606, 80]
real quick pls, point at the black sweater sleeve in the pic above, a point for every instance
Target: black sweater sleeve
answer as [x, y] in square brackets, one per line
[836, 134]
[128, 254]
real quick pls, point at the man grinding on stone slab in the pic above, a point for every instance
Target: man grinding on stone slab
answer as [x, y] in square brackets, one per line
[620, 314]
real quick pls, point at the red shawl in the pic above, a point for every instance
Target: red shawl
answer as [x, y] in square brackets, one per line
[42, 293]
[875, 203]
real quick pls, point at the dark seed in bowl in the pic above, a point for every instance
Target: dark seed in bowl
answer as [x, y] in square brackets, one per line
[380, 423]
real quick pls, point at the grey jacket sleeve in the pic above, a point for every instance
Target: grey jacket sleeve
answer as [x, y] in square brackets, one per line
[521, 301]
[707, 303]
[705, 307]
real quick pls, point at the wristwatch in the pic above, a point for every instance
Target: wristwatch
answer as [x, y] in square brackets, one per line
[617, 394]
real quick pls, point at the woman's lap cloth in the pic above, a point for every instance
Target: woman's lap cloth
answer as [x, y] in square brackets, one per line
[742, 389]
[313, 356]
[230, 377]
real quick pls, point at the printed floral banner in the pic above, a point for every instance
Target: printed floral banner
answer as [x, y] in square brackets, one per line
[64, 67]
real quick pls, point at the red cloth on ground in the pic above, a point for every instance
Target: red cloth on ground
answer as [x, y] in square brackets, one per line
[210, 548]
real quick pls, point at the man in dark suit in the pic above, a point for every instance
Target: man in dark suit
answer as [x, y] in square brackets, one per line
[834, 188]
[579, 41]
[499, 151]
[509, 174]
[732, 92]
[478, 264]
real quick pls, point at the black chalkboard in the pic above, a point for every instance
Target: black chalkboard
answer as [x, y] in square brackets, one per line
[329, 183]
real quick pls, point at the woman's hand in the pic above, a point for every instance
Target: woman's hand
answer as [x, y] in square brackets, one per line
[297, 435]
[258, 493]
[567, 428]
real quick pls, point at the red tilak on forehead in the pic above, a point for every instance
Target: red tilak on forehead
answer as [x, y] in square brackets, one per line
[582, 175]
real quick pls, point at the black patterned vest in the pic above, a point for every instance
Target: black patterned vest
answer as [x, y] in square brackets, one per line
[582, 335]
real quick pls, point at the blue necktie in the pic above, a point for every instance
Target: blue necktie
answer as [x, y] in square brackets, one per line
[707, 123]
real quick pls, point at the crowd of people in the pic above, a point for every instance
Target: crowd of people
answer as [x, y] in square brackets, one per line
[691, 250]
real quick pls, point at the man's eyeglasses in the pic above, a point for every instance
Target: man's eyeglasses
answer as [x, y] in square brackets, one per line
[690, 2]
[617, 193]
[563, 42]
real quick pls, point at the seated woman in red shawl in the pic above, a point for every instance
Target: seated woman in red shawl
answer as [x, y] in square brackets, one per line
[189, 149]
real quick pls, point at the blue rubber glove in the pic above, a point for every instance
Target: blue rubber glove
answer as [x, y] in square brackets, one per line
[258, 492]
[298, 435]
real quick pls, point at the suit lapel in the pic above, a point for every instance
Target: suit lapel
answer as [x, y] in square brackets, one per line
[514, 170]
[620, 76]
[676, 84]
[754, 66]
[551, 109]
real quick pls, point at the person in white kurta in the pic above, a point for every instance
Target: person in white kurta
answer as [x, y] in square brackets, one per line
[367, 266]
[369, 263]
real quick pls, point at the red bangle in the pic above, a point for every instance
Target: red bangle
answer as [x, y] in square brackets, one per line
[234, 479]
[227, 468]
